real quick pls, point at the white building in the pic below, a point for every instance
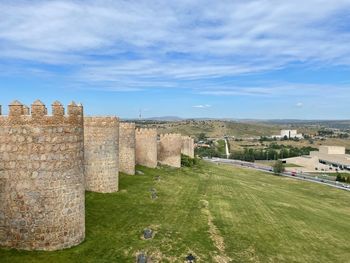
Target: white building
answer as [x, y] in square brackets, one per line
[290, 134]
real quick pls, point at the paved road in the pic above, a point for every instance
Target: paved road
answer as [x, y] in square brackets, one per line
[266, 168]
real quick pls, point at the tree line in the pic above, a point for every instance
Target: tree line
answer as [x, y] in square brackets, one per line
[343, 178]
[271, 152]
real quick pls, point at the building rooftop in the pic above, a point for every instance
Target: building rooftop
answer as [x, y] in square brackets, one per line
[341, 159]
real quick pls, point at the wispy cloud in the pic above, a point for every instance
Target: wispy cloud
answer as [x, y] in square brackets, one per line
[275, 90]
[205, 106]
[132, 45]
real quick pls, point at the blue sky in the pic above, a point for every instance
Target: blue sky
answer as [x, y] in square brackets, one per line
[261, 59]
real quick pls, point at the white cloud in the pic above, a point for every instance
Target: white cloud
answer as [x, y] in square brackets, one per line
[299, 105]
[141, 44]
[279, 90]
[205, 106]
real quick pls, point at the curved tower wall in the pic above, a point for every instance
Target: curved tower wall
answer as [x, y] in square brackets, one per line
[187, 147]
[127, 148]
[169, 149]
[101, 136]
[146, 147]
[42, 204]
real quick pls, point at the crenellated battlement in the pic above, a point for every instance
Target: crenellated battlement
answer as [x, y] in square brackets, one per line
[105, 121]
[128, 125]
[42, 205]
[187, 147]
[37, 113]
[169, 135]
[26, 110]
[146, 131]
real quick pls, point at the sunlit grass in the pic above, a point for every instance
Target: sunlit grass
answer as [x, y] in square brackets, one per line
[259, 217]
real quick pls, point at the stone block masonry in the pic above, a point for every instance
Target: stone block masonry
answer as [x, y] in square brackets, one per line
[169, 149]
[146, 147]
[42, 204]
[127, 148]
[101, 136]
[187, 147]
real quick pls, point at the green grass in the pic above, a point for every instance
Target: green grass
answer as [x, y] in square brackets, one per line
[341, 174]
[221, 147]
[212, 211]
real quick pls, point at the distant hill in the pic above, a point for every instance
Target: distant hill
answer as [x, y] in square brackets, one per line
[337, 124]
[238, 128]
[212, 128]
[164, 118]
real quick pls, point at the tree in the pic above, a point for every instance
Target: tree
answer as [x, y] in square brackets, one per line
[339, 178]
[202, 137]
[278, 167]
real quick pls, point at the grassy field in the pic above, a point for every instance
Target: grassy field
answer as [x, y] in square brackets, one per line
[217, 212]
[221, 147]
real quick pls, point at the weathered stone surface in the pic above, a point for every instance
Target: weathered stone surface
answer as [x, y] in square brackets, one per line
[127, 148]
[147, 233]
[187, 146]
[141, 258]
[101, 136]
[169, 149]
[146, 147]
[42, 193]
[154, 194]
[190, 258]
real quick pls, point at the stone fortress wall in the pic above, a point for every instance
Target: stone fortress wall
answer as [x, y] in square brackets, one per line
[127, 148]
[187, 146]
[42, 199]
[101, 136]
[48, 161]
[169, 149]
[146, 147]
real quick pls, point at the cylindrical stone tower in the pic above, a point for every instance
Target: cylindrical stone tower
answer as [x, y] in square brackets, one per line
[101, 136]
[127, 148]
[187, 147]
[42, 193]
[169, 149]
[146, 147]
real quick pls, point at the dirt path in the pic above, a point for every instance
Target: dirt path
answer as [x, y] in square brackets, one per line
[215, 236]
[226, 149]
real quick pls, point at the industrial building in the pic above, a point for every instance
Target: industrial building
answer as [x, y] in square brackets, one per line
[328, 158]
[289, 134]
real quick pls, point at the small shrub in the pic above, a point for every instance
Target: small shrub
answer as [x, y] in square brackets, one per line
[187, 161]
[278, 167]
